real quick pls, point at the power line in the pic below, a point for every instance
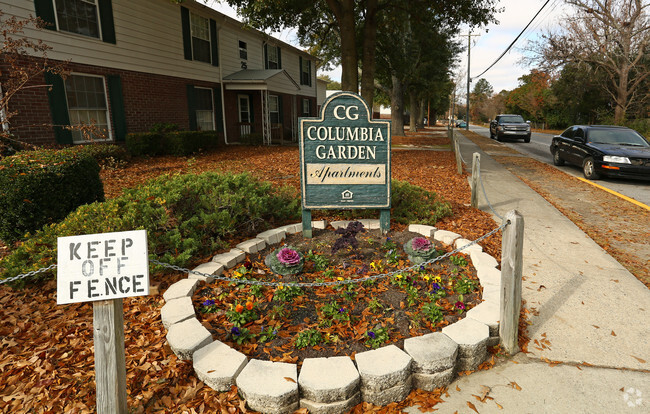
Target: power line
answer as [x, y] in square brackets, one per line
[514, 41]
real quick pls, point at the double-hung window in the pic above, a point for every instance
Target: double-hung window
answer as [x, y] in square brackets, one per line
[274, 109]
[199, 37]
[204, 109]
[200, 31]
[78, 16]
[272, 57]
[87, 108]
[305, 72]
[90, 18]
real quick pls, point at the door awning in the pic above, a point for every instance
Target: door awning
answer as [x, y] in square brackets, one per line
[266, 79]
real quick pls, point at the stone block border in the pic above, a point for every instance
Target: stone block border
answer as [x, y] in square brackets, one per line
[379, 376]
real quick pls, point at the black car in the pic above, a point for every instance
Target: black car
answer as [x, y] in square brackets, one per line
[603, 150]
[509, 126]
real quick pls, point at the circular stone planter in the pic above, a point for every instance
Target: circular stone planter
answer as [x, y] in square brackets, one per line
[380, 376]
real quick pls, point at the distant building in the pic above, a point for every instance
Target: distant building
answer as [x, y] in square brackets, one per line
[138, 63]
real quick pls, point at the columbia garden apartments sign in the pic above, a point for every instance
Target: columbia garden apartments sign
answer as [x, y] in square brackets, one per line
[345, 159]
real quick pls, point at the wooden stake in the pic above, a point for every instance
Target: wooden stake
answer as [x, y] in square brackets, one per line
[110, 367]
[476, 172]
[511, 269]
[459, 163]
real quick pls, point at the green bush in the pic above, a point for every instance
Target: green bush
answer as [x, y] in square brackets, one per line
[179, 143]
[146, 143]
[41, 187]
[410, 205]
[187, 217]
[189, 142]
[106, 155]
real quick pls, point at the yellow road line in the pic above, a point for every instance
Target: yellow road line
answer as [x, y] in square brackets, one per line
[626, 198]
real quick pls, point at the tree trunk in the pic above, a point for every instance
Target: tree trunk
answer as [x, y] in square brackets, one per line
[621, 96]
[397, 107]
[369, 51]
[344, 13]
[413, 109]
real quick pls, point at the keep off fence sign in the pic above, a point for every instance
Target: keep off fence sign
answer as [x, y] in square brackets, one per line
[104, 268]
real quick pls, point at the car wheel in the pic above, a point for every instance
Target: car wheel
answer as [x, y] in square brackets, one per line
[499, 138]
[557, 160]
[491, 135]
[589, 169]
[527, 138]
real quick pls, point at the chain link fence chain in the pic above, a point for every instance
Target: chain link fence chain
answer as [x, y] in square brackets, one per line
[28, 274]
[332, 283]
[277, 284]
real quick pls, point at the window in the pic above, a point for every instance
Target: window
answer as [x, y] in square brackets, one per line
[579, 134]
[200, 31]
[274, 109]
[87, 105]
[273, 59]
[306, 107]
[243, 51]
[204, 109]
[305, 72]
[568, 133]
[78, 16]
[244, 108]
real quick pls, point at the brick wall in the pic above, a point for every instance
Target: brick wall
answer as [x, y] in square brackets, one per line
[148, 99]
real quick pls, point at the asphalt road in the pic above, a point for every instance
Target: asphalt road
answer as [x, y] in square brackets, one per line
[538, 148]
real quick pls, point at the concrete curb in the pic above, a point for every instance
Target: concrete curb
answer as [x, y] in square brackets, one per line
[335, 385]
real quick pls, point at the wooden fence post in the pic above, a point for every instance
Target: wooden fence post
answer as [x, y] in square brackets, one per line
[476, 172]
[511, 269]
[459, 163]
[110, 366]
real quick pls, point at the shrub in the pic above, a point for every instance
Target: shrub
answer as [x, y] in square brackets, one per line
[41, 187]
[163, 127]
[171, 143]
[146, 143]
[413, 204]
[410, 205]
[106, 155]
[189, 142]
[186, 217]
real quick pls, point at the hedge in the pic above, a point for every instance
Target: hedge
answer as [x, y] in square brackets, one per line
[187, 218]
[43, 186]
[179, 143]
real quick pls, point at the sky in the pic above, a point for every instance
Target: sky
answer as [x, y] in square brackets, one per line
[486, 47]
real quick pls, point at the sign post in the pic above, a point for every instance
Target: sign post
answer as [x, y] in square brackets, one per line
[345, 160]
[104, 268]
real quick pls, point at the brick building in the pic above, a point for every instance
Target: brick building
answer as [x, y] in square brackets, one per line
[133, 64]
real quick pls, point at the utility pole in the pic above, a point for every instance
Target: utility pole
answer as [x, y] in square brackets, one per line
[469, 80]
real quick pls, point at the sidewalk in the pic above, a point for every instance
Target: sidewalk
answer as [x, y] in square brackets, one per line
[592, 314]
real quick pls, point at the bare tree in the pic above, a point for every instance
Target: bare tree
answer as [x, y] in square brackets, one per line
[612, 36]
[23, 63]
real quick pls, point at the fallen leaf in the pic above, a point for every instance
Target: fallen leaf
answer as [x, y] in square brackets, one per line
[499, 405]
[638, 359]
[290, 379]
[472, 406]
[515, 385]
[613, 334]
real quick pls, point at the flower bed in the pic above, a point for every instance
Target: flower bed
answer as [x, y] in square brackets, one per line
[289, 323]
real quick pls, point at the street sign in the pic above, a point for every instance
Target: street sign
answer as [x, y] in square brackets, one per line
[103, 266]
[345, 156]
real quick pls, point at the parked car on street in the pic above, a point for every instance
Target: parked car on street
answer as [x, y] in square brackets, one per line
[603, 150]
[509, 126]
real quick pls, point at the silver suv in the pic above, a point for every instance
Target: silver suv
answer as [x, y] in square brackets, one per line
[509, 126]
